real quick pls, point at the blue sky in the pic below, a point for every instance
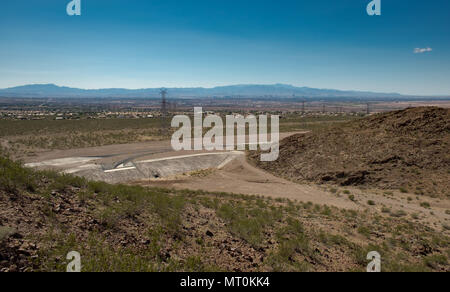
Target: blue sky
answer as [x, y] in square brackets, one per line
[190, 43]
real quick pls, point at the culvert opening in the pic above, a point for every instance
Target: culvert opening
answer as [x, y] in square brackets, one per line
[156, 175]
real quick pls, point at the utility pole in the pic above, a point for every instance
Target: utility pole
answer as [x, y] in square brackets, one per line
[303, 107]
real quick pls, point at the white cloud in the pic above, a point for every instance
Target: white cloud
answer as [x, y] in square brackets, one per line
[422, 50]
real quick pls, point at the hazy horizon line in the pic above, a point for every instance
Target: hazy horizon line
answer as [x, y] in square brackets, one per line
[202, 87]
[228, 85]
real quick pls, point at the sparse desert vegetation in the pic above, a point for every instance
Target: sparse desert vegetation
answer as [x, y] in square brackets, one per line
[131, 228]
[140, 227]
[24, 138]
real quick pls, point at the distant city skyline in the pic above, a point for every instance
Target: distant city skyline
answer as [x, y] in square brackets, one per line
[207, 43]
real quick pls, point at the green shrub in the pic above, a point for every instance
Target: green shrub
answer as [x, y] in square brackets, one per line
[5, 232]
[415, 216]
[425, 205]
[293, 241]
[363, 230]
[248, 223]
[14, 178]
[433, 261]
[385, 210]
[399, 213]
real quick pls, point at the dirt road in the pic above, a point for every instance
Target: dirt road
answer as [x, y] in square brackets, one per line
[239, 177]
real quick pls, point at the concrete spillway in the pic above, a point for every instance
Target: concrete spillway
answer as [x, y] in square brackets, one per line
[148, 169]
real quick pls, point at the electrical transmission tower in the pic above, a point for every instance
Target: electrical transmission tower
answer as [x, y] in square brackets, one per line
[164, 120]
[163, 93]
[368, 108]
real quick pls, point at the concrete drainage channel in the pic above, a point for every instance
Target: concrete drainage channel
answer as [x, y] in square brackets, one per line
[143, 170]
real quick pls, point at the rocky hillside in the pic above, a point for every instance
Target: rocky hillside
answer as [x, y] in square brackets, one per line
[407, 150]
[43, 216]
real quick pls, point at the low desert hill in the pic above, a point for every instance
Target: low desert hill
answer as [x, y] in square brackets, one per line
[406, 150]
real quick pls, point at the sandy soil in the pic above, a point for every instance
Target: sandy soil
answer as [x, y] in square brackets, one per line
[239, 177]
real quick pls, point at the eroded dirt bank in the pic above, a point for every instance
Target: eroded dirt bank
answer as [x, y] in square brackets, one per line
[404, 150]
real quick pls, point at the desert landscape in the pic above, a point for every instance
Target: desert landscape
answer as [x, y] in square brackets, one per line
[225, 144]
[341, 187]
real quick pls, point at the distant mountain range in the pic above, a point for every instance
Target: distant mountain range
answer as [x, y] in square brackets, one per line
[235, 91]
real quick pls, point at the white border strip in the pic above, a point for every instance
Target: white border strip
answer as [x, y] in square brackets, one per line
[119, 169]
[192, 155]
